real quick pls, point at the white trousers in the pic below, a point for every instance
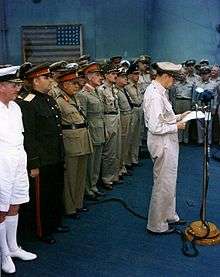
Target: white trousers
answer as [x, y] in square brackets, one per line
[14, 184]
[164, 151]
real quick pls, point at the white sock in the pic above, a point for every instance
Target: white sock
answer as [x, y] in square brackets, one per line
[11, 223]
[3, 241]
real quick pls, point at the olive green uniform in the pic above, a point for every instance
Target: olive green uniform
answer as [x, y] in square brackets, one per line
[110, 152]
[54, 89]
[93, 109]
[124, 103]
[210, 86]
[135, 126]
[183, 103]
[78, 146]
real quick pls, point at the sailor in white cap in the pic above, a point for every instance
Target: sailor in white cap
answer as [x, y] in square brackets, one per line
[163, 146]
[14, 185]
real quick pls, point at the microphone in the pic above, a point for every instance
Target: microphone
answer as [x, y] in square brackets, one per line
[204, 96]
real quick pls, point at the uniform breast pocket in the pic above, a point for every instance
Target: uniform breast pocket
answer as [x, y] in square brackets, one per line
[72, 143]
[94, 104]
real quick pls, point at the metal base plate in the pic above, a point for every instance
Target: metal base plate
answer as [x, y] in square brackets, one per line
[198, 229]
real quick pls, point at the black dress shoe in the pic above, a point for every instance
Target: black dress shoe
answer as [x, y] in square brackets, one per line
[137, 164]
[179, 222]
[129, 167]
[91, 198]
[107, 186]
[82, 210]
[74, 216]
[171, 230]
[62, 229]
[99, 193]
[49, 239]
[128, 173]
[119, 182]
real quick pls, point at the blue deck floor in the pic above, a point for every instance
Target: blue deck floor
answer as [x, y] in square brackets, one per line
[108, 241]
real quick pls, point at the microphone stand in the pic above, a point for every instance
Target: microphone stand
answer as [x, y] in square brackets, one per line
[203, 232]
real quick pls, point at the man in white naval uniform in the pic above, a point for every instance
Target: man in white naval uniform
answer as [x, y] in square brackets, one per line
[14, 185]
[163, 146]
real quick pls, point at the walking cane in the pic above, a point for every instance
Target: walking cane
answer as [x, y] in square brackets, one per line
[37, 205]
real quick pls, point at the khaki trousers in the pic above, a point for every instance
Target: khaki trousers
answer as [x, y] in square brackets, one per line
[125, 125]
[134, 136]
[93, 169]
[183, 105]
[74, 182]
[110, 159]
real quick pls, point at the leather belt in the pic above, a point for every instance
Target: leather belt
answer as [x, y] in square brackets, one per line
[115, 113]
[136, 105]
[73, 126]
[182, 98]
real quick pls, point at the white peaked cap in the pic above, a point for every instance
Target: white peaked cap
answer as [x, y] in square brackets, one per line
[11, 70]
[168, 66]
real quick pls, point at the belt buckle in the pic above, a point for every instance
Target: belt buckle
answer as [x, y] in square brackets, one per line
[73, 127]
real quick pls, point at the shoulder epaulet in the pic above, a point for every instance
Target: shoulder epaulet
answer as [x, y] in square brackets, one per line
[63, 96]
[29, 97]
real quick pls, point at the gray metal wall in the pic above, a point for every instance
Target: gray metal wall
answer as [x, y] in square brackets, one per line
[183, 29]
[167, 29]
[110, 26]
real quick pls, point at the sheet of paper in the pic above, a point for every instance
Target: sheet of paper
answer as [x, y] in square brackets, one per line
[193, 115]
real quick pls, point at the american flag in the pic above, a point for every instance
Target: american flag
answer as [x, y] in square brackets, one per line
[51, 43]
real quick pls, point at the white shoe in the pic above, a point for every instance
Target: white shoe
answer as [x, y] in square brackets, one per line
[8, 265]
[23, 255]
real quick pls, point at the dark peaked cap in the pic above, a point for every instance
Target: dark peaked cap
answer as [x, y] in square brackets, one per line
[39, 70]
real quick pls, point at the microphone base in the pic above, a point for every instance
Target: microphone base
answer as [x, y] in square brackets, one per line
[198, 229]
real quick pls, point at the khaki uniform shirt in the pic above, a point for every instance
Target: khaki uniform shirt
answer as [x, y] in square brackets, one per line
[93, 108]
[135, 94]
[77, 141]
[184, 90]
[143, 82]
[216, 83]
[54, 90]
[123, 100]
[211, 86]
[109, 98]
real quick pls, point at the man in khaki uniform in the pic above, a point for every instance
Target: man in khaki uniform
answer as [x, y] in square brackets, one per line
[92, 106]
[115, 60]
[125, 106]
[191, 77]
[56, 69]
[163, 146]
[183, 103]
[110, 157]
[135, 126]
[144, 80]
[206, 84]
[77, 143]
[215, 78]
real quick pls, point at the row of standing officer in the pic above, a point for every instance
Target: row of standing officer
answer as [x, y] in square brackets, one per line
[83, 133]
[185, 97]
